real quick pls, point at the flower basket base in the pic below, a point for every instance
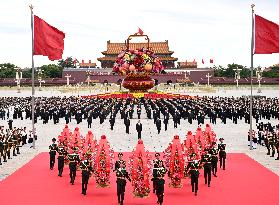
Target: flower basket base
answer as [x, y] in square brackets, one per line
[138, 82]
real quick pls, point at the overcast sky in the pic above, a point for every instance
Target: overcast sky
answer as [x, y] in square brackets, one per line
[196, 29]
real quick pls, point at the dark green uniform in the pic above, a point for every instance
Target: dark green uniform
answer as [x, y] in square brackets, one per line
[61, 158]
[156, 163]
[160, 183]
[121, 175]
[85, 173]
[73, 160]
[52, 153]
[222, 155]
[193, 168]
[214, 160]
[206, 160]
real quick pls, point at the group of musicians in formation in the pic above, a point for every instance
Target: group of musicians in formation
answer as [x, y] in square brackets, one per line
[267, 135]
[180, 160]
[11, 139]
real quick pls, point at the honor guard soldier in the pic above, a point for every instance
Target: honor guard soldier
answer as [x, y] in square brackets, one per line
[121, 175]
[193, 167]
[61, 158]
[5, 149]
[160, 182]
[73, 160]
[52, 153]
[86, 168]
[206, 161]
[214, 158]
[1, 149]
[222, 153]
[156, 163]
[10, 145]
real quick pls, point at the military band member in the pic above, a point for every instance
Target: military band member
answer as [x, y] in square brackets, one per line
[1, 149]
[10, 145]
[160, 182]
[86, 168]
[214, 158]
[5, 148]
[121, 175]
[193, 169]
[73, 160]
[52, 153]
[222, 153]
[61, 158]
[206, 160]
[156, 163]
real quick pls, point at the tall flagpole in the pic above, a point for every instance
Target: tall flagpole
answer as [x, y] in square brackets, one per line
[33, 73]
[251, 77]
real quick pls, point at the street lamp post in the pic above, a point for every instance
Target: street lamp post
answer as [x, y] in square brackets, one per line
[18, 78]
[68, 79]
[208, 77]
[259, 78]
[40, 78]
[237, 75]
[88, 73]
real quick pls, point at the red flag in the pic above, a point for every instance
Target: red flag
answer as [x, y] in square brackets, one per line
[89, 61]
[48, 40]
[202, 61]
[140, 32]
[266, 36]
[75, 61]
[211, 60]
[82, 61]
[66, 61]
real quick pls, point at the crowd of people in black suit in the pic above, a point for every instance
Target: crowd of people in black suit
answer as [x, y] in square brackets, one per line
[161, 111]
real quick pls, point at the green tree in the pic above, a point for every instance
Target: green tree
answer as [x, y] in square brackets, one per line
[67, 63]
[52, 71]
[273, 73]
[7, 70]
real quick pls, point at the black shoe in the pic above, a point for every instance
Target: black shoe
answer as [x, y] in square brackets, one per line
[0, 163]
[208, 185]
[14, 155]
[277, 158]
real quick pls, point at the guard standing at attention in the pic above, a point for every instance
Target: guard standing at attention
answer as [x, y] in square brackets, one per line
[52, 153]
[222, 153]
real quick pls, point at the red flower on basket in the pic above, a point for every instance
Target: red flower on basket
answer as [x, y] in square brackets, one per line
[139, 60]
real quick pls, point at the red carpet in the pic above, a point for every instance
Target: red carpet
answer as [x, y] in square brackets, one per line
[244, 182]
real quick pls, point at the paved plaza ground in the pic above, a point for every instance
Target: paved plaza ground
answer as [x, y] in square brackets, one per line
[235, 135]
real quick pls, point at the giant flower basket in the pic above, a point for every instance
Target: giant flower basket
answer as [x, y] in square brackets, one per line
[137, 65]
